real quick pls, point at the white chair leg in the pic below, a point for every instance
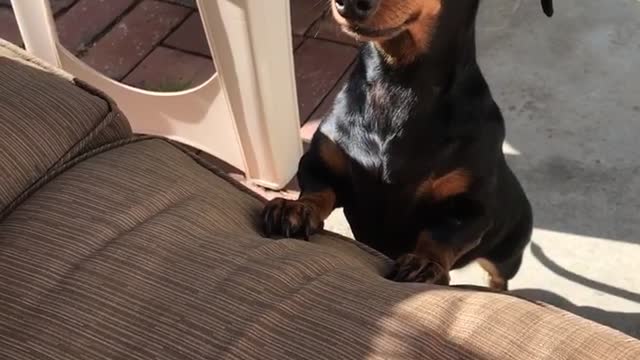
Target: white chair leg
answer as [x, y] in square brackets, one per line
[251, 43]
[246, 114]
[37, 29]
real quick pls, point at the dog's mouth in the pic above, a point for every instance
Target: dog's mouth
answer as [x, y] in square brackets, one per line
[373, 33]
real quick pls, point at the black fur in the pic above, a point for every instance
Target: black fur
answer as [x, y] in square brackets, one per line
[400, 125]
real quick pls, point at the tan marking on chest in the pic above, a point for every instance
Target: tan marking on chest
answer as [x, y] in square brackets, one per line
[451, 184]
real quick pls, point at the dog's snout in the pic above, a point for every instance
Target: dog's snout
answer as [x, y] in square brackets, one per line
[356, 9]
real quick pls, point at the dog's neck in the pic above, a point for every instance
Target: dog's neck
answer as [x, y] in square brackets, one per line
[443, 36]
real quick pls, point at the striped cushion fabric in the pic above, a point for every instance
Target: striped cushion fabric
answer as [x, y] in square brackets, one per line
[139, 252]
[46, 120]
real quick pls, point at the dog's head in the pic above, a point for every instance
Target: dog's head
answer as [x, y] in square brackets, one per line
[384, 19]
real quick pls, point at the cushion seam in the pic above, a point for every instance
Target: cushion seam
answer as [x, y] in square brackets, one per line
[62, 167]
[75, 149]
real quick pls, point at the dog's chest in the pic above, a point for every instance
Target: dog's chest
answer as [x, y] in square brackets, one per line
[392, 163]
[390, 137]
[394, 157]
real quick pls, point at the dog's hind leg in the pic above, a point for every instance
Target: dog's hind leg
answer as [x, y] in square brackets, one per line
[503, 262]
[501, 273]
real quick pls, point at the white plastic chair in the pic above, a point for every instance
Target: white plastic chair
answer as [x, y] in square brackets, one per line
[246, 114]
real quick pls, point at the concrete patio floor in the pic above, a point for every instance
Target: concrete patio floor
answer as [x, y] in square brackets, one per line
[569, 88]
[570, 91]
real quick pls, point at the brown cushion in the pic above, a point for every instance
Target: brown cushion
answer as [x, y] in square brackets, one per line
[140, 253]
[45, 120]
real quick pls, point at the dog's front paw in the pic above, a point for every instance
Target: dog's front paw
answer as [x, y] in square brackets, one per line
[290, 218]
[416, 268]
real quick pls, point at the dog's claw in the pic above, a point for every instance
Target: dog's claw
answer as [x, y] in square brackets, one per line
[415, 268]
[289, 219]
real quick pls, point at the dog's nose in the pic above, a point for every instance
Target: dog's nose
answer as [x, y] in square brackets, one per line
[356, 9]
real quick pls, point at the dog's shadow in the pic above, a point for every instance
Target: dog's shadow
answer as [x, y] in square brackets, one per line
[628, 323]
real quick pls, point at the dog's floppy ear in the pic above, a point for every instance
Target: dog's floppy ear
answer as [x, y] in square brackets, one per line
[547, 7]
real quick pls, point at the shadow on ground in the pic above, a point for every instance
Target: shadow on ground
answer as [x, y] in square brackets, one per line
[628, 323]
[538, 253]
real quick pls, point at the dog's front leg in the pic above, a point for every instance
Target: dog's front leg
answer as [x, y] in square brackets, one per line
[431, 260]
[320, 169]
[445, 240]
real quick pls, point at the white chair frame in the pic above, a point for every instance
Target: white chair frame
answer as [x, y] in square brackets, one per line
[246, 114]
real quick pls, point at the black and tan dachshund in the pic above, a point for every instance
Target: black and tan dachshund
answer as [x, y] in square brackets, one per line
[412, 149]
